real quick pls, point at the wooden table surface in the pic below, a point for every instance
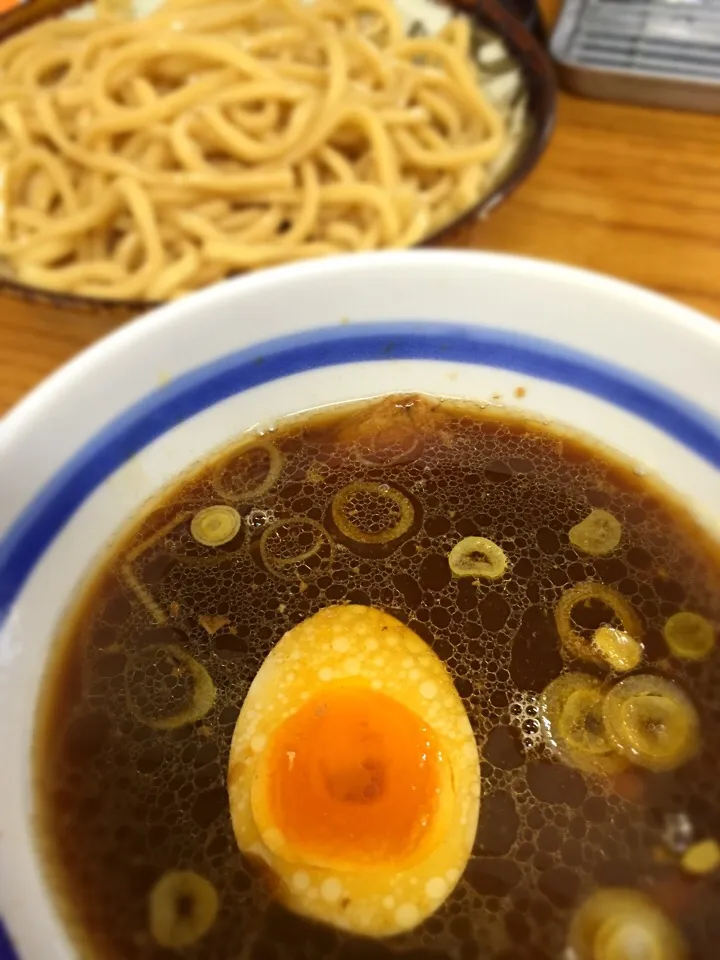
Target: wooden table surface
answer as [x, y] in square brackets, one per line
[625, 190]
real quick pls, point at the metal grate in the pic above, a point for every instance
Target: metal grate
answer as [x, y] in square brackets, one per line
[666, 39]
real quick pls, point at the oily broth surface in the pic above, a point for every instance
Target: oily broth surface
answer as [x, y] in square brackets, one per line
[121, 803]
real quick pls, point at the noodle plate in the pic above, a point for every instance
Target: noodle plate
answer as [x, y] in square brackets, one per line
[146, 159]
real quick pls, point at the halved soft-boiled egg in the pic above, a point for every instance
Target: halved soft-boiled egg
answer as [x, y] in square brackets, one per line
[354, 773]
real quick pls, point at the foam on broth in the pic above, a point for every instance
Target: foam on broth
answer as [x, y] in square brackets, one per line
[120, 803]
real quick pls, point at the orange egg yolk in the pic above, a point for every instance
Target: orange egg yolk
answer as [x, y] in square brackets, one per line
[353, 777]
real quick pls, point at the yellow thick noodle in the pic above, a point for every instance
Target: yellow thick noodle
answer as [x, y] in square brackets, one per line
[144, 159]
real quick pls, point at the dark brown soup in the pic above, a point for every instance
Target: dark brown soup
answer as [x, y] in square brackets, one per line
[122, 800]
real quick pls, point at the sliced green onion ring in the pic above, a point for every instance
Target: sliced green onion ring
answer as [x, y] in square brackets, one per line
[378, 452]
[701, 858]
[257, 487]
[572, 720]
[618, 648]
[573, 642]
[597, 535]
[348, 518]
[159, 669]
[477, 557]
[388, 432]
[181, 909]
[622, 924]
[215, 525]
[689, 636]
[652, 721]
[287, 545]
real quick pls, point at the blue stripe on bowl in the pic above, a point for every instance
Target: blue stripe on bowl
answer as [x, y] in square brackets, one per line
[6, 949]
[193, 392]
[160, 411]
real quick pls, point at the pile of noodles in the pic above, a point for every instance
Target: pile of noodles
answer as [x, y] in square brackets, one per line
[144, 159]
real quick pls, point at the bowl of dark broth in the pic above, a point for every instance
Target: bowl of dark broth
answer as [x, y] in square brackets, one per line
[367, 609]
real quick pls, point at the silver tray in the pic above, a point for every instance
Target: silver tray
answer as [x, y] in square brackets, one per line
[656, 52]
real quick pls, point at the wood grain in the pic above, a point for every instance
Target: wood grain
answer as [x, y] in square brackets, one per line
[624, 190]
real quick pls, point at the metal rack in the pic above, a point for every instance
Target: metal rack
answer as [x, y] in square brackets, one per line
[661, 52]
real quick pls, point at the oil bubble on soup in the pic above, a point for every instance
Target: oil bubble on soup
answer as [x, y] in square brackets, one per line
[405, 679]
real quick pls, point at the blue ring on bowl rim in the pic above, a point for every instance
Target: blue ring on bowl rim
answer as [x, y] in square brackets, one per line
[6, 948]
[197, 390]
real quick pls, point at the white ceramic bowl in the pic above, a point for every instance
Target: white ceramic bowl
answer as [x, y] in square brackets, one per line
[81, 454]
